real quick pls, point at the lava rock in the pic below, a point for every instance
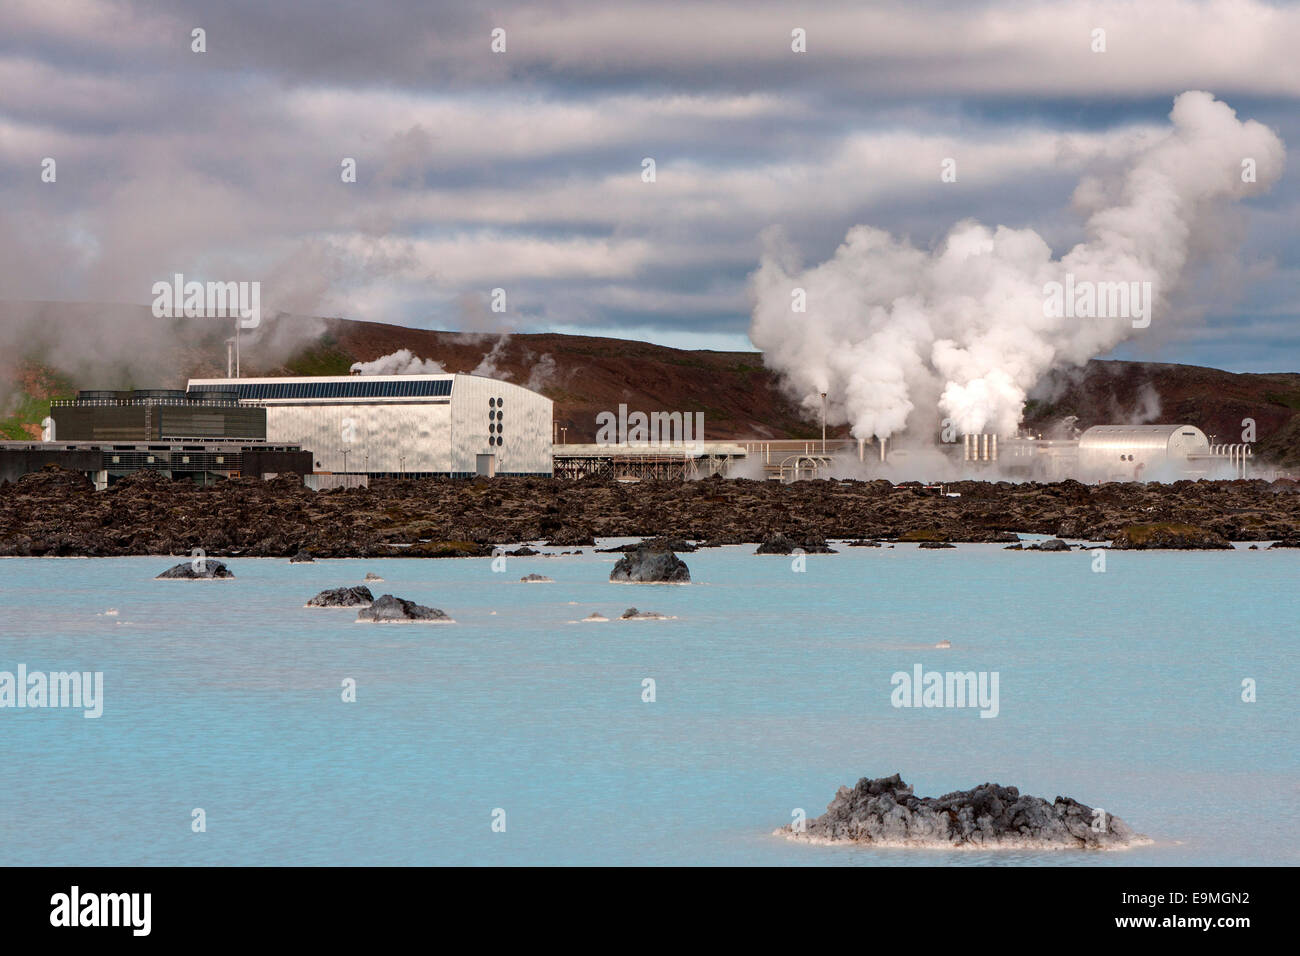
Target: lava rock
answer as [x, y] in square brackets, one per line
[54, 513]
[1055, 544]
[653, 544]
[186, 571]
[646, 566]
[371, 576]
[569, 537]
[717, 541]
[885, 812]
[447, 549]
[395, 610]
[302, 557]
[632, 614]
[934, 545]
[537, 579]
[359, 596]
[1180, 537]
[780, 544]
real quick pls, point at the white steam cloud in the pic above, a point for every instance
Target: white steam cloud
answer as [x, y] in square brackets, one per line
[902, 338]
[401, 362]
[490, 364]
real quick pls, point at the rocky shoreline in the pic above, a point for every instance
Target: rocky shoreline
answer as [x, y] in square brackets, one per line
[58, 513]
[885, 812]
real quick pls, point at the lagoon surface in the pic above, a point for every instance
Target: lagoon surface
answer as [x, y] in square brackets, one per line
[1121, 689]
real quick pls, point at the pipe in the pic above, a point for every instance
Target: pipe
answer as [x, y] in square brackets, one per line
[993, 440]
[882, 449]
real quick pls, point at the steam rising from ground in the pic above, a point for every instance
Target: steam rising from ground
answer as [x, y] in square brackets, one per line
[401, 362]
[903, 338]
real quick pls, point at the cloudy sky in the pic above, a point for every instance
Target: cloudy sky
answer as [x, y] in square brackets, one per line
[523, 169]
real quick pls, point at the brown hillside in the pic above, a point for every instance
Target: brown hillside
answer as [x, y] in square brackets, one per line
[733, 389]
[123, 346]
[1213, 400]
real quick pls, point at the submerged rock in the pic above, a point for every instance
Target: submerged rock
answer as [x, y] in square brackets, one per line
[302, 557]
[595, 617]
[885, 812]
[780, 544]
[391, 610]
[864, 544]
[359, 596]
[371, 576]
[646, 566]
[521, 552]
[207, 570]
[632, 614]
[652, 544]
[1181, 537]
[1055, 544]
[933, 545]
[537, 579]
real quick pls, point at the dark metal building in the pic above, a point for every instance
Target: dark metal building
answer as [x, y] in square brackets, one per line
[156, 414]
[202, 463]
[203, 438]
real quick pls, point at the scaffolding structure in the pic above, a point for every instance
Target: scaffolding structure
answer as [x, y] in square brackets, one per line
[648, 461]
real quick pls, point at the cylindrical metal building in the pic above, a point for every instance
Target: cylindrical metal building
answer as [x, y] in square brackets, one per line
[1139, 452]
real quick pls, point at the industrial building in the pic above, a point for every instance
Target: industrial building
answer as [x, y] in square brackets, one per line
[1113, 453]
[634, 461]
[154, 415]
[107, 435]
[413, 426]
[201, 462]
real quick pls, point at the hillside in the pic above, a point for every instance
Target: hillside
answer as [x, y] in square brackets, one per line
[586, 375]
[1213, 400]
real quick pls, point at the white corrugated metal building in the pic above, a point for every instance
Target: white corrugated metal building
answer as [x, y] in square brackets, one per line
[403, 425]
[1142, 452]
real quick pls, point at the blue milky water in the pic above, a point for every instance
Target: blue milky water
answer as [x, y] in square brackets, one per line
[1121, 689]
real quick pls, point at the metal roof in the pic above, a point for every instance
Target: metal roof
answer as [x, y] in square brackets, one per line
[1138, 436]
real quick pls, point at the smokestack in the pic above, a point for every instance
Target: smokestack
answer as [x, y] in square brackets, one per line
[993, 443]
[882, 449]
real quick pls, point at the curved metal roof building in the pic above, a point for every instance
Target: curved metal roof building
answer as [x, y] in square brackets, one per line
[1127, 452]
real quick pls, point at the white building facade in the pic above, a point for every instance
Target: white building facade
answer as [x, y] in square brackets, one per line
[403, 425]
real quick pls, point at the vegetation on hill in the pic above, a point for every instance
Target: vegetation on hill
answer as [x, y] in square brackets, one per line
[27, 404]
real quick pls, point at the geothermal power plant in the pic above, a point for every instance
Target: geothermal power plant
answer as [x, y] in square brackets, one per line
[347, 430]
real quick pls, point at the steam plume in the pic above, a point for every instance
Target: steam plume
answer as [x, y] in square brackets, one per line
[901, 338]
[401, 362]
